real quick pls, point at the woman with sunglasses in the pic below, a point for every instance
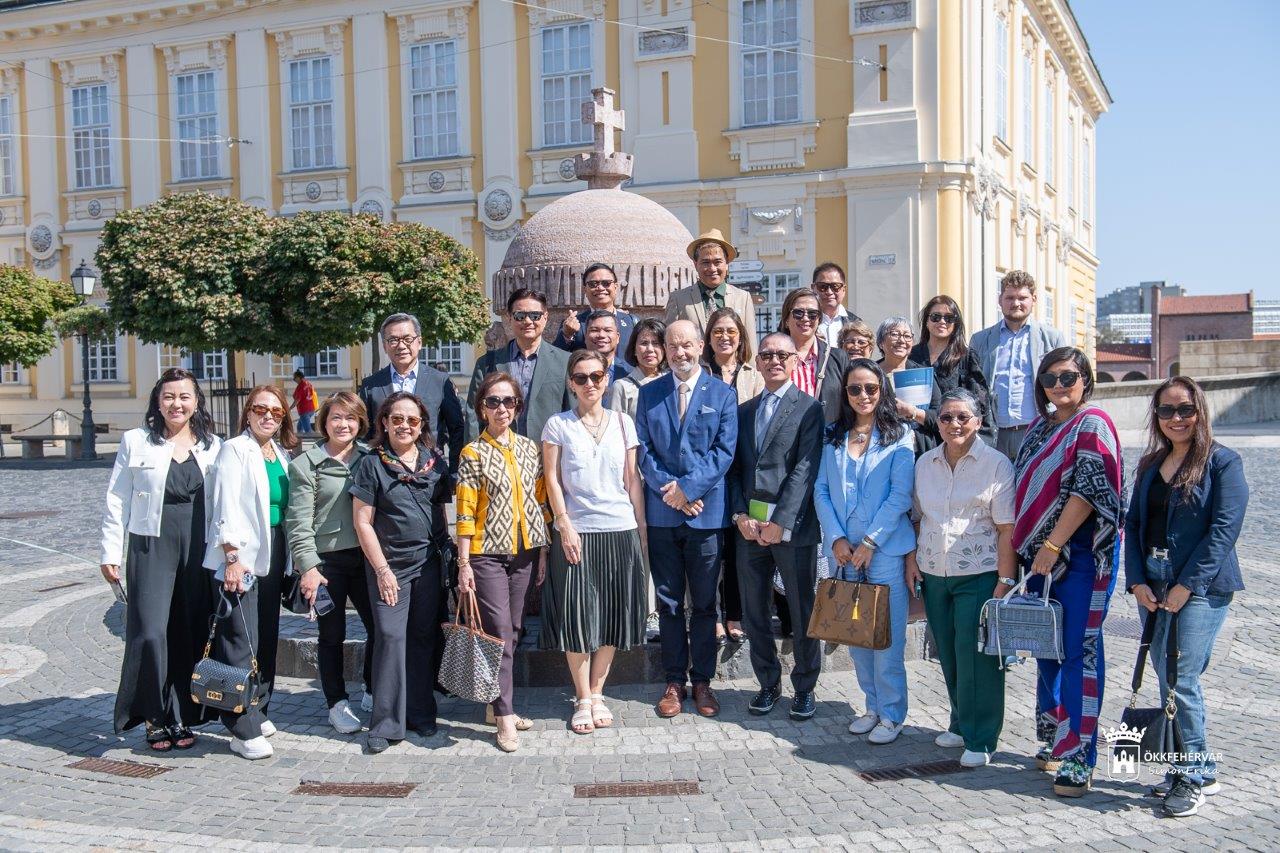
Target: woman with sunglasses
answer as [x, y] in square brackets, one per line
[502, 531]
[818, 367]
[863, 497]
[1188, 504]
[393, 490]
[644, 350]
[1069, 479]
[944, 346]
[964, 557]
[856, 339]
[594, 599]
[249, 554]
[895, 340]
[155, 512]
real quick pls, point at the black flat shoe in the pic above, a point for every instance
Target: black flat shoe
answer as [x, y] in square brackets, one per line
[159, 739]
[183, 737]
[424, 729]
[377, 744]
[765, 700]
[803, 705]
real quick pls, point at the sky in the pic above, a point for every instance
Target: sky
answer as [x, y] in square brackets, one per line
[1187, 191]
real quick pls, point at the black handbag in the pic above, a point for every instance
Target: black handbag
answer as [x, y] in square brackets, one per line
[1160, 741]
[219, 685]
[291, 595]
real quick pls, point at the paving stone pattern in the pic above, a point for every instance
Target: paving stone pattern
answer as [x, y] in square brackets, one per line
[765, 783]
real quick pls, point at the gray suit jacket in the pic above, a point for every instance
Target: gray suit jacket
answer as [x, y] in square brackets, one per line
[549, 395]
[436, 393]
[985, 342]
[686, 304]
[785, 469]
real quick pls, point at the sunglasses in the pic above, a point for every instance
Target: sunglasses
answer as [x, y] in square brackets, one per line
[492, 403]
[950, 417]
[829, 287]
[400, 420]
[524, 316]
[724, 333]
[939, 317]
[805, 314]
[1066, 379]
[595, 378]
[774, 355]
[262, 411]
[856, 390]
[600, 284]
[1182, 411]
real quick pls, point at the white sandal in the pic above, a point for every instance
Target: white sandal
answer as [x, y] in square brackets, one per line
[601, 716]
[581, 722]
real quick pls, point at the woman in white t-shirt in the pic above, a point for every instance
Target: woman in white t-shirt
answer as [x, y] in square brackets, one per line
[594, 599]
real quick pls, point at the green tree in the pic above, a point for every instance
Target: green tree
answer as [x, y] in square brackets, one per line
[92, 320]
[28, 304]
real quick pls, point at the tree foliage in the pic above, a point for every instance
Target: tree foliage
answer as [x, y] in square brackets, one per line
[27, 305]
[92, 320]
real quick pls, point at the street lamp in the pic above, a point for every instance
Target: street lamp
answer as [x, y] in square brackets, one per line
[83, 280]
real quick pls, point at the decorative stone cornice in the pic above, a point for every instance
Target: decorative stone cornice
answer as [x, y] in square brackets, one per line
[209, 54]
[324, 39]
[564, 11]
[25, 27]
[94, 68]
[1062, 28]
[443, 21]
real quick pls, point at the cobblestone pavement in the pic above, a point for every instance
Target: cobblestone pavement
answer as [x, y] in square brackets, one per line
[765, 783]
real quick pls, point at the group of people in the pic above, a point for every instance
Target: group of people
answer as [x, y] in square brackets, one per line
[684, 476]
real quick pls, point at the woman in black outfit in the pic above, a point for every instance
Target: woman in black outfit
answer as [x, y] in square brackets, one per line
[945, 347]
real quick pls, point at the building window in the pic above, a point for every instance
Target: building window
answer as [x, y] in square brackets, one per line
[433, 86]
[446, 356]
[11, 374]
[1048, 307]
[1028, 110]
[770, 62]
[774, 287]
[1086, 178]
[1071, 163]
[314, 365]
[7, 179]
[91, 136]
[204, 365]
[197, 126]
[1048, 132]
[311, 112]
[1002, 78]
[104, 365]
[566, 83]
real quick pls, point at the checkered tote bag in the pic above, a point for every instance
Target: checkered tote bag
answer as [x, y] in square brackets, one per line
[472, 658]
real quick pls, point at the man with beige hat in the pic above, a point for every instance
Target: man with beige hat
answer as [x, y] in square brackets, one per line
[711, 254]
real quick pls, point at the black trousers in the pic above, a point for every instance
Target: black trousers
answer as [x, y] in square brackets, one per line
[684, 559]
[403, 653]
[730, 594]
[268, 588]
[344, 570]
[798, 566]
[235, 643]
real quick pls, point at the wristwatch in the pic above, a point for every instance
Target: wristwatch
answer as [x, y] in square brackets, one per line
[233, 558]
[733, 519]
[1008, 581]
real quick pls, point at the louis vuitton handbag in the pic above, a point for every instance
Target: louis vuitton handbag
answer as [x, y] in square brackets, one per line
[851, 613]
[471, 660]
[215, 684]
[1156, 727]
[1022, 623]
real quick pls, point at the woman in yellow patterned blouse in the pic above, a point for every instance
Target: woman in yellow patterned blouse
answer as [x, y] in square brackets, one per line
[502, 530]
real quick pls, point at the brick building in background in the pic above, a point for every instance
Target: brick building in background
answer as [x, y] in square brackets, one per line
[1174, 319]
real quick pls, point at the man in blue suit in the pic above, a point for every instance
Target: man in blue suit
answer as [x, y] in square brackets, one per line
[687, 423]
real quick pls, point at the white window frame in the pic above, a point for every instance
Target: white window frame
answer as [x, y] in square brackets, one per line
[104, 361]
[444, 21]
[1049, 129]
[310, 154]
[1029, 107]
[283, 366]
[770, 53]
[1070, 176]
[91, 135]
[774, 287]
[197, 122]
[9, 147]
[448, 352]
[430, 94]
[806, 63]
[13, 373]
[576, 133]
[1086, 175]
[1000, 79]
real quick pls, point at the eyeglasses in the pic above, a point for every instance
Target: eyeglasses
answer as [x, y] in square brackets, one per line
[810, 314]
[492, 403]
[595, 378]
[1066, 379]
[829, 287]
[406, 340]
[774, 355]
[960, 419]
[262, 411]
[855, 390]
[1182, 411]
[724, 333]
[400, 420]
[901, 336]
[858, 344]
[599, 283]
[939, 317]
[524, 316]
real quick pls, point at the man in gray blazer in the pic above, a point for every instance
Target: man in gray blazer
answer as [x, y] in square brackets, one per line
[1010, 354]
[536, 366]
[771, 497]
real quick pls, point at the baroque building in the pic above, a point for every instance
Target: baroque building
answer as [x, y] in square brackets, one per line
[925, 145]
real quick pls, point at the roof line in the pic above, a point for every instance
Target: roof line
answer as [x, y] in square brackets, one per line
[1080, 31]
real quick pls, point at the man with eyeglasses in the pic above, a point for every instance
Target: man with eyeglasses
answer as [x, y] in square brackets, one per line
[711, 254]
[540, 370]
[600, 284]
[771, 484]
[829, 284]
[1009, 353]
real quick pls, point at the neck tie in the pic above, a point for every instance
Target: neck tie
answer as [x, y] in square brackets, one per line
[683, 405]
[768, 403]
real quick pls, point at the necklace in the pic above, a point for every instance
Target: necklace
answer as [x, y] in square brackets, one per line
[269, 452]
[860, 437]
[595, 430]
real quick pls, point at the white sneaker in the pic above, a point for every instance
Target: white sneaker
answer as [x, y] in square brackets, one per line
[342, 718]
[864, 724]
[974, 759]
[252, 749]
[366, 702]
[268, 727]
[885, 732]
[949, 740]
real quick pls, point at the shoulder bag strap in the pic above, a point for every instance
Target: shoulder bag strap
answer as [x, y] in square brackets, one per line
[218, 614]
[822, 369]
[1171, 665]
[1144, 648]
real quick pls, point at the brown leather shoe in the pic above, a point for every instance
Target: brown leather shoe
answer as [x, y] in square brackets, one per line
[669, 704]
[705, 701]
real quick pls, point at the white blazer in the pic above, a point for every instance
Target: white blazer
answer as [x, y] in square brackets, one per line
[238, 507]
[135, 492]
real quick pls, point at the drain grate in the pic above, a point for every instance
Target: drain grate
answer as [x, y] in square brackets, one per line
[637, 789]
[384, 790]
[1123, 626]
[112, 767]
[912, 771]
[33, 513]
[67, 585]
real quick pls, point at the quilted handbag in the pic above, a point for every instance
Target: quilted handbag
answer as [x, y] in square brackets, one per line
[851, 613]
[472, 658]
[215, 684]
[1022, 623]
[1157, 729]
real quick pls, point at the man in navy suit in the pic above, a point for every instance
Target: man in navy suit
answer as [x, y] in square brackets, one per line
[687, 423]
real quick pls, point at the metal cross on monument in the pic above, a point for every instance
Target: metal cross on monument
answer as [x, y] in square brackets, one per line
[605, 167]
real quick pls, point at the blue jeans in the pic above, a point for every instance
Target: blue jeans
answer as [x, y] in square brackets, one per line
[1199, 622]
[882, 675]
[304, 421]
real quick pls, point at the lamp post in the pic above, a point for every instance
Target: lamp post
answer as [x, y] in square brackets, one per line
[83, 280]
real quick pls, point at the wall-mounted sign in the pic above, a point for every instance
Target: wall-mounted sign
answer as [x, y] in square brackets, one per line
[882, 260]
[745, 277]
[745, 266]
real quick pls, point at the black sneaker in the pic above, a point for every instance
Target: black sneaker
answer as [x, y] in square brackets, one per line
[1184, 799]
[377, 744]
[1208, 787]
[765, 700]
[803, 705]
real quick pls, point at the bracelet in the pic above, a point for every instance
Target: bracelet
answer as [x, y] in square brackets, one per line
[1054, 548]
[869, 542]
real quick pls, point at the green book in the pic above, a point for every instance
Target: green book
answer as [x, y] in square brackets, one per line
[760, 511]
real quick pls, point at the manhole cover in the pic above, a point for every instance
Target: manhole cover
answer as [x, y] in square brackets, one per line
[112, 767]
[637, 789]
[386, 790]
[912, 771]
[34, 513]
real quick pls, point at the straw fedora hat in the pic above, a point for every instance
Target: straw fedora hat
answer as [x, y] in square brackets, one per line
[712, 236]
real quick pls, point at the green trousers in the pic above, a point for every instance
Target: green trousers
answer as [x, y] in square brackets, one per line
[975, 682]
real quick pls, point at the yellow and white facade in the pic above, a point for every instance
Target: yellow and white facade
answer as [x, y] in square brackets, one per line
[925, 145]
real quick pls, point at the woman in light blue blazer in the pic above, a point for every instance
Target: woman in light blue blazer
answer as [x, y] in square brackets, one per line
[863, 496]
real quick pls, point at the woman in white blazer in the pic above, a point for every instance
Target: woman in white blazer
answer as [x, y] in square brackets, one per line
[248, 552]
[155, 508]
